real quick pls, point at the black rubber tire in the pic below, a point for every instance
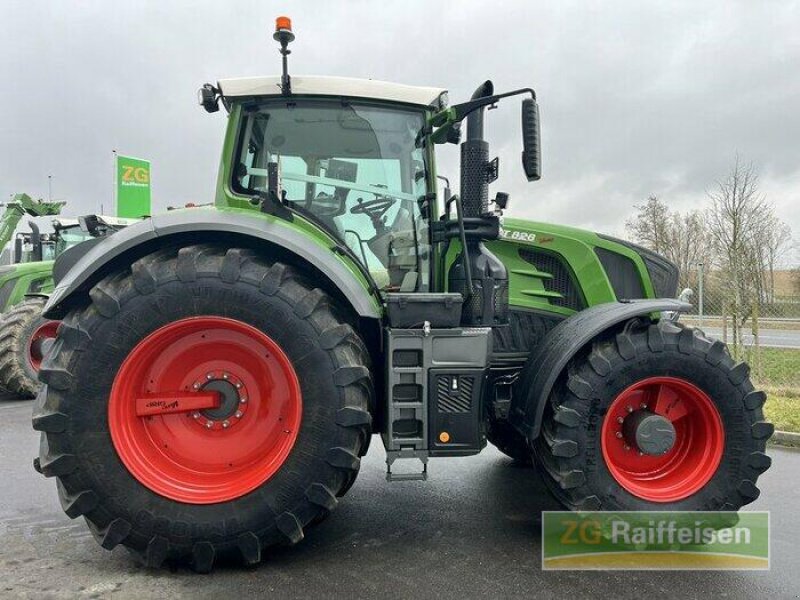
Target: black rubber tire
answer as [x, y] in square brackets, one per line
[568, 448]
[71, 408]
[509, 441]
[18, 378]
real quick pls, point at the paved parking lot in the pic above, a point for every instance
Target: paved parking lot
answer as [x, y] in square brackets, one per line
[471, 531]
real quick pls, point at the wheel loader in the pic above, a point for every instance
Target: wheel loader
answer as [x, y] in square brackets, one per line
[220, 371]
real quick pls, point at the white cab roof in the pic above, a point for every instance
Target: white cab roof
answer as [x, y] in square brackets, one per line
[333, 86]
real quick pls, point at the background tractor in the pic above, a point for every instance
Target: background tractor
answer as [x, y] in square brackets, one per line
[25, 335]
[220, 371]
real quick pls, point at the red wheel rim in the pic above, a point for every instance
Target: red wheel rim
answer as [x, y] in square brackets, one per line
[205, 456]
[695, 455]
[40, 342]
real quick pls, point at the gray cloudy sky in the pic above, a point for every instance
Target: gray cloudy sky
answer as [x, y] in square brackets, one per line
[636, 97]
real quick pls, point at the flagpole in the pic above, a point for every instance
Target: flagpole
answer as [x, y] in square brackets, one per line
[114, 181]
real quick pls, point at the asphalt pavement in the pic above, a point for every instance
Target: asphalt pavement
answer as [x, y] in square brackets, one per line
[769, 338]
[472, 530]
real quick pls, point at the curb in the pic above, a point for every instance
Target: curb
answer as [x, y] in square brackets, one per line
[785, 438]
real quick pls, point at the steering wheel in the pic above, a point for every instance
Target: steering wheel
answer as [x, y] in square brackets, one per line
[375, 209]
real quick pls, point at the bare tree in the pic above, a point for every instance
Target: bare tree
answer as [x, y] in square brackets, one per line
[680, 237]
[737, 221]
[650, 226]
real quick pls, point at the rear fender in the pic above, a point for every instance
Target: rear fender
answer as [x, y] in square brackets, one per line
[202, 226]
[562, 343]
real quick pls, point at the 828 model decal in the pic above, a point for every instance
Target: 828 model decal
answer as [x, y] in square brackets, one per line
[521, 236]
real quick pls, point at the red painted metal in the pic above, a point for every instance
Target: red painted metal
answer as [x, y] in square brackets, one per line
[37, 344]
[190, 456]
[693, 459]
[162, 404]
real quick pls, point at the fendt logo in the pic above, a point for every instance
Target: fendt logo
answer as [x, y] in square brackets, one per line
[135, 176]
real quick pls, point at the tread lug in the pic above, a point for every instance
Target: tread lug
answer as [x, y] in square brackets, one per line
[272, 280]
[762, 430]
[625, 346]
[107, 303]
[344, 376]
[308, 303]
[321, 496]
[55, 377]
[290, 527]
[755, 400]
[54, 465]
[759, 461]
[250, 548]
[76, 505]
[232, 265]
[580, 387]
[739, 373]
[342, 458]
[749, 491]
[333, 336]
[350, 416]
[52, 422]
[203, 554]
[156, 553]
[143, 279]
[114, 534]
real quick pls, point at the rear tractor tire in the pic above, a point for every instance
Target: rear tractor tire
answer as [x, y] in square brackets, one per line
[25, 338]
[283, 384]
[657, 417]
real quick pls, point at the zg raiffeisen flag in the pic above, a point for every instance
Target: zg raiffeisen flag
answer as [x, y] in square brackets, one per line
[133, 187]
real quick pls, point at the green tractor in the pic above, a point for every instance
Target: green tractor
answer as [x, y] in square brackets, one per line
[25, 335]
[220, 371]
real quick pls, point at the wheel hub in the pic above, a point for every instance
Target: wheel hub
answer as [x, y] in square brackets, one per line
[648, 432]
[232, 395]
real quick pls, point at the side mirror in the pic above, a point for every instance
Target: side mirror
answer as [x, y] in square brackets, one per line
[531, 147]
[207, 98]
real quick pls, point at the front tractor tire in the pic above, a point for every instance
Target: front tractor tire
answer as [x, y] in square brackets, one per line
[205, 404]
[657, 417]
[25, 337]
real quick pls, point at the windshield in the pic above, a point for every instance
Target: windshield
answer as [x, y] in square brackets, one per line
[357, 169]
[69, 237]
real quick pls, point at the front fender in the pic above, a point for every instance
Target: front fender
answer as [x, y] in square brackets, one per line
[561, 344]
[200, 225]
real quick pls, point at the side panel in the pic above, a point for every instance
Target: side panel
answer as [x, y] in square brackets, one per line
[24, 279]
[556, 269]
[552, 355]
[201, 224]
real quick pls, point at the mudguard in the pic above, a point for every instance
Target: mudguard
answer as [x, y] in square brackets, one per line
[198, 226]
[552, 355]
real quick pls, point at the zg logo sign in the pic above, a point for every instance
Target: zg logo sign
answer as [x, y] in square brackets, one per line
[135, 175]
[133, 187]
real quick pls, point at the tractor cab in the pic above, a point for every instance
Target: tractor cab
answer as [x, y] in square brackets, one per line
[355, 167]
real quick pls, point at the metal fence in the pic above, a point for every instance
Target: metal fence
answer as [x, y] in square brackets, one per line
[763, 330]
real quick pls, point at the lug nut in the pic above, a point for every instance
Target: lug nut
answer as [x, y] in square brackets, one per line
[209, 425]
[238, 414]
[210, 376]
[196, 386]
[226, 424]
[224, 375]
[196, 415]
[242, 400]
[238, 386]
[620, 420]
[626, 447]
[619, 434]
[630, 409]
